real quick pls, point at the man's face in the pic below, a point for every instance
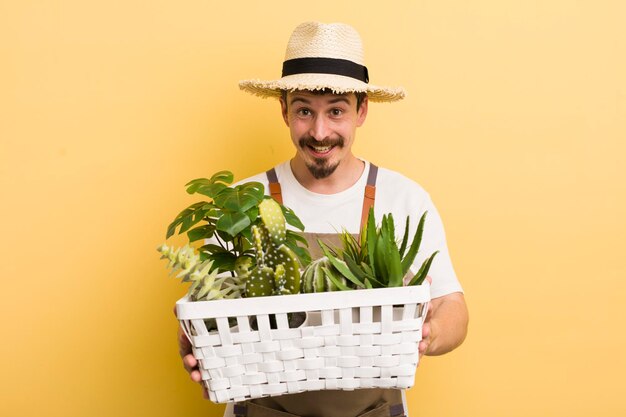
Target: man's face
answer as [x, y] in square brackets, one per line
[322, 127]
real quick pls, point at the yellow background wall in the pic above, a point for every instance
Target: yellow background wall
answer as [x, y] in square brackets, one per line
[515, 122]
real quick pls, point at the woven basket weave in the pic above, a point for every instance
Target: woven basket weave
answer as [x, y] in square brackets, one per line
[350, 340]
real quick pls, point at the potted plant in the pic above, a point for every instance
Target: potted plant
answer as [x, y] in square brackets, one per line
[375, 260]
[248, 250]
[256, 257]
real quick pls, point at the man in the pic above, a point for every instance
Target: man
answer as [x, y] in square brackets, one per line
[324, 96]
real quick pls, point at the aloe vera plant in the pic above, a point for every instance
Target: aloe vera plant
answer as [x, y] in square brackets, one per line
[374, 261]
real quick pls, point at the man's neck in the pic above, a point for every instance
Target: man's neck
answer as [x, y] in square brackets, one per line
[345, 176]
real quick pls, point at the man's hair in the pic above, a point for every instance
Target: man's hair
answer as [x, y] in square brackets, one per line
[360, 95]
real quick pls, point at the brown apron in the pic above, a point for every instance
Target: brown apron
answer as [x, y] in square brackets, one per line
[371, 402]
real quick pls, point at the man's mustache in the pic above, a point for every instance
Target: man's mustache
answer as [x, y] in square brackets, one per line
[310, 141]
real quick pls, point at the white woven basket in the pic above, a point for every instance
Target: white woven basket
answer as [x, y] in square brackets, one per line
[351, 340]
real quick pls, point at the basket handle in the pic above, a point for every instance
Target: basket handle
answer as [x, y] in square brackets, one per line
[426, 306]
[426, 303]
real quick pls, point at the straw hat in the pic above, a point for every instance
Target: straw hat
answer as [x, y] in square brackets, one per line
[321, 56]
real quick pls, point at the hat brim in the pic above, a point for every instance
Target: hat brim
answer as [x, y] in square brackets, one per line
[339, 84]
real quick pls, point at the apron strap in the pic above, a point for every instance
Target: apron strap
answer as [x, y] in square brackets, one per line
[275, 190]
[370, 194]
[368, 199]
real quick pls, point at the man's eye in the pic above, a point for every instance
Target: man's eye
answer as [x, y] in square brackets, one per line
[304, 112]
[336, 112]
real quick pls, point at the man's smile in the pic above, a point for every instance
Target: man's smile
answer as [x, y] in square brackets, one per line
[320, 149]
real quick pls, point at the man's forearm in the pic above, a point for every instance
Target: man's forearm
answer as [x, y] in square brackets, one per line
[448, 322]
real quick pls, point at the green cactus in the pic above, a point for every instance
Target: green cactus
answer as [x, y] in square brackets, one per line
[260, 282]
[205, 285]
[277, 269]
[273, 220]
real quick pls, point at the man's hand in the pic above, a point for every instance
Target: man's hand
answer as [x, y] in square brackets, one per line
[445, 326]
[189, 361]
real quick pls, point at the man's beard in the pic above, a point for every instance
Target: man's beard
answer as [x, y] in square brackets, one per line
[321, 168]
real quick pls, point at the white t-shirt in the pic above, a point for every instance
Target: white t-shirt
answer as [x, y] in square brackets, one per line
[395, 193]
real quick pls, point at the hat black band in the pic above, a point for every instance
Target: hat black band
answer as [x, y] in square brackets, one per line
[326, 66]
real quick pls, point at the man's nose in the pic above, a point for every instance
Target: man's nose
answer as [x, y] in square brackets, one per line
[319, 129]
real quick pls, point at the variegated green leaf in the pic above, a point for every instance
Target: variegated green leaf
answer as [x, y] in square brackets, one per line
[341, 266]
[335, 279]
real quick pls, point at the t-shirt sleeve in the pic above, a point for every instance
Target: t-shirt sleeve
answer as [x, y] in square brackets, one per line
[444, 279]
[403, 197]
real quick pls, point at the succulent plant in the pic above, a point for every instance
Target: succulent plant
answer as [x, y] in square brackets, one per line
[277, 269]
[374, 261]
[316, 277]
[205, 284]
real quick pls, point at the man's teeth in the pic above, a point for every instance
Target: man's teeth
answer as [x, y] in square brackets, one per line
[321, 149]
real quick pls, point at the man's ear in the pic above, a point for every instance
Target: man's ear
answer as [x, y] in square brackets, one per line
[283, 109]
[362, 113]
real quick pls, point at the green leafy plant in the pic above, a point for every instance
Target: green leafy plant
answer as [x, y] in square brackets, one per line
[227, 220]
[374, 261]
